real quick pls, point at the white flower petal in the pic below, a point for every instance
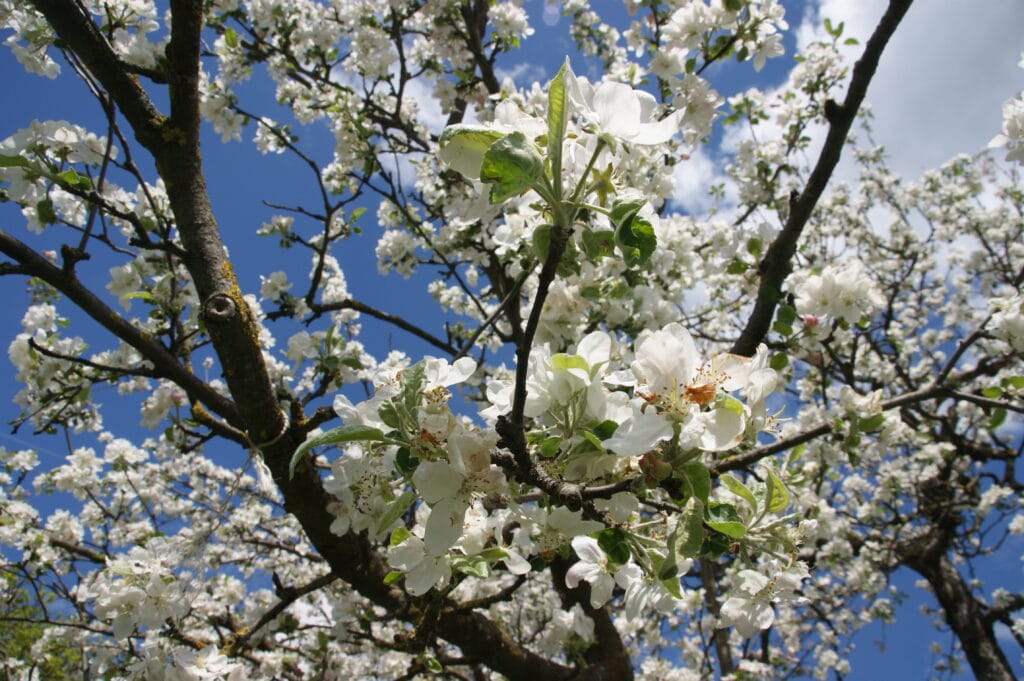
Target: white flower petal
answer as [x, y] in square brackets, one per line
[596, 348]
[444, 526]
[640, 433]
[436, 480]
[666, 359]
[588, 549]
[426, 575]
[618, 109]
[723, 429]
[601, 590]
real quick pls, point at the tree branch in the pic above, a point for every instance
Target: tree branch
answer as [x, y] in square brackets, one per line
[164, 363]
[80, 34]
[288, 596]
[777, 263]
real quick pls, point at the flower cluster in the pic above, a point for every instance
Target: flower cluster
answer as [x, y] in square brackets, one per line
[600, 413]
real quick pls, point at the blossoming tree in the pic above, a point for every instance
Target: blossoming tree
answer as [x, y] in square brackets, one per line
[641, 443]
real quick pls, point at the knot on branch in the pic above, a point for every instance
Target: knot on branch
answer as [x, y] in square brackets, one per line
[72, 256]
[219, 308]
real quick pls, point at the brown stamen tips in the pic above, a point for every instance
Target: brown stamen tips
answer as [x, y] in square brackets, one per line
[700, 394]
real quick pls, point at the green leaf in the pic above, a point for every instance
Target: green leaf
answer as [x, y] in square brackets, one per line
[737, 266]
[541, 241]
[624, 211]
[511, 165]
[723, 518]
[389, 415]
[872, 423]
[14, 161]
[231, 38]
[672, 586]
[605, 429]
[776, 496]
[593, 440]
[352, 433]
[786, 314]
[598, 244]
[45, 212]
[472, 565]
[564, 362]
[493, 555]
[558, 115]
[686, 539]
[549, 448]
[613, 542]
[997, 418]
[733, 530]
[635, 239]
[410, 388]
[432, 664]
[731, 404]
[463, 147]
[740, 490]
[392, 577]
[399, 535]
[569, 263]
[1015, 382]
[396, 509]
[698, 478]
[992, 392]
[74, 179]
[779, 362]
[405, 462]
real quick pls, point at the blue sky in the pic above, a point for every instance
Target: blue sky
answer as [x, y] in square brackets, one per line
[938, 93]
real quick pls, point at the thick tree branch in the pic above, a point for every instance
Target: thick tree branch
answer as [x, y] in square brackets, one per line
[607, 657]
[82, 37]
[963, 613]
[234, 333]
[1009, 605]
[709, 576]
[164, 363]
[777, 263]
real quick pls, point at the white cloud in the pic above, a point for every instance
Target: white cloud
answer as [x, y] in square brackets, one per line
[943, 77]
[522, 74]
[421, 92]
[938, 91]
[692, 178]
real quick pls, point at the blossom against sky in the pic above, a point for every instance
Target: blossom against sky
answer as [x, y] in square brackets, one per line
[956, 130]
[937, 93]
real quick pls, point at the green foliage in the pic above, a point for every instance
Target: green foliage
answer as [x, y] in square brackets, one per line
[633, 235]
[686, 539]
[21, 628]
[613, 542]
[511, 166]
[558, 118]
[351, 433]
